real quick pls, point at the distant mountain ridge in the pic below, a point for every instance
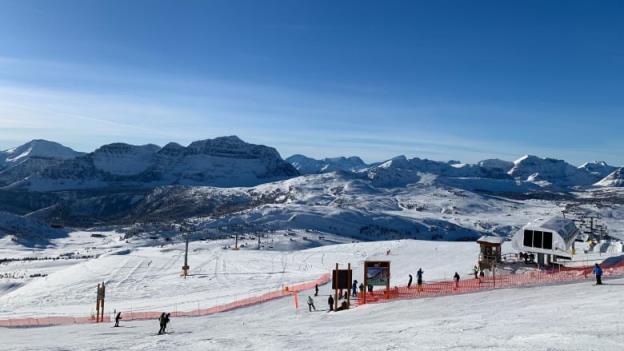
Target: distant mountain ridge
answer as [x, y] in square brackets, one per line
[32, 157]
[41, 165]
[307, 165]
[223, 162]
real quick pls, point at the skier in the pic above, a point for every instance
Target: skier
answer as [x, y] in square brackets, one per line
[163, 324]
[330, 302]
[316, 290]
[475, 270]
[409, 282]
[419, 280]
[117, 318]
[456, 278]
[598, 273]
[354, 286]
[311, 304]
[361, 288]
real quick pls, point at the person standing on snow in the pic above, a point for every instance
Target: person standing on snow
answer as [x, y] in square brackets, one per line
[409, 282]
[311, 304]
[419, 280]
[354, 287]
[117, 318]
[316, 290]
[475, 270]
[330, 302]
[456, 279]
[598, 273]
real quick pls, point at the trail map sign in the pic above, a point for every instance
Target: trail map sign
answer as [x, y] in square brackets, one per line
[377, 273]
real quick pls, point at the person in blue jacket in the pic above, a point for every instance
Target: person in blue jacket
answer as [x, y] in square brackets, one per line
[598, 273]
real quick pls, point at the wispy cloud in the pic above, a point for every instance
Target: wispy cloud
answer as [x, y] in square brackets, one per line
[86, 106]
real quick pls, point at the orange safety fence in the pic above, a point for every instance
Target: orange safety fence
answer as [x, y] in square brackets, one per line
[130, 315]
[505, 280]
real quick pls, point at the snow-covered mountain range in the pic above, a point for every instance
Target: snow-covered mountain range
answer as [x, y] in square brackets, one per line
[234, 181]
[41, 165]
[307, 165]
[223, 162]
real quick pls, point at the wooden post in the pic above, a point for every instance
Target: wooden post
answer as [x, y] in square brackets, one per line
[350, 285]
[365, 282]
[336, 290]
[103, 296]
[186, 267]
[97, 305]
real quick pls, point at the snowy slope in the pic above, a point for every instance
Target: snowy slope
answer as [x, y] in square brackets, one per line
[615, 179]
[560, 317]
[551, 171]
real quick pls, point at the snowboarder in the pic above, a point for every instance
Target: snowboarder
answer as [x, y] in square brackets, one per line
[311, 304]
[456, 278]
[117, 318]
[419, 280]
[316, 290]
[409, 282]
[598, 273]
[330, 302]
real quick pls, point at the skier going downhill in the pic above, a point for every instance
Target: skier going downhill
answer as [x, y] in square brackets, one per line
[311, 304]
[117, 318]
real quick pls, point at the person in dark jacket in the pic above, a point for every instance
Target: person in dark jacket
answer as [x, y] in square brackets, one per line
[163, 323]
[598, 273]
[409, 282]
[330, 302]
[316, 290]
[117, 319]
[311, 304]
[354, 286]
[456, 279]
[361, 288]
[419, 278]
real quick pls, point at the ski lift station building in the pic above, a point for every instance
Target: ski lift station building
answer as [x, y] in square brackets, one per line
[549, 239]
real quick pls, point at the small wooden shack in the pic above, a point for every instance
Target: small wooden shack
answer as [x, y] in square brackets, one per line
[490, 251]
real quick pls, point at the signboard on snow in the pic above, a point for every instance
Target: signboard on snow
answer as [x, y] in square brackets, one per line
[377, 273]
[341, 279]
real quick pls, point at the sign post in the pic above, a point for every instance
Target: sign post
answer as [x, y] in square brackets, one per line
[341, 279]
[99, 304]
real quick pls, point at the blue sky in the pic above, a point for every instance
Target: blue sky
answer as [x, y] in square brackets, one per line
[463, 80]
